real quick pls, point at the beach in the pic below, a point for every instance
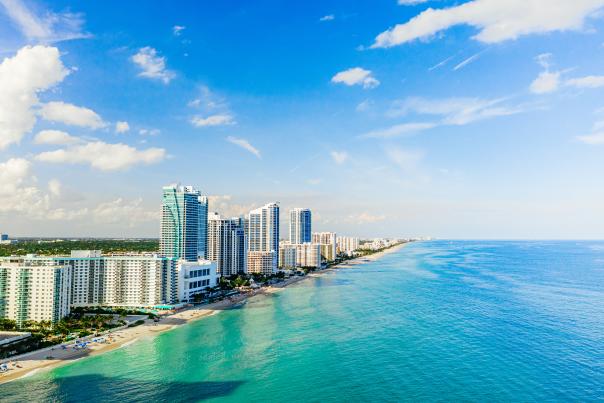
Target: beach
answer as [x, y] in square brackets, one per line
[45, 359]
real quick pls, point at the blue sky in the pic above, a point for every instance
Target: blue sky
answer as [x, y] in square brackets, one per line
[455, 119]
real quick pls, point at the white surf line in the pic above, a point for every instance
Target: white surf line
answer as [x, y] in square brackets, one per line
[126, 344]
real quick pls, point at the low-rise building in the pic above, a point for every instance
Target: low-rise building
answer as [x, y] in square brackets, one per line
[5, 240]
[195, 277]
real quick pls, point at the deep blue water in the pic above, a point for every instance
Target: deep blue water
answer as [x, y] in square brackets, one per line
[437, 321]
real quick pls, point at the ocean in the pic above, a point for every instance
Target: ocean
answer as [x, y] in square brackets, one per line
[435, 321]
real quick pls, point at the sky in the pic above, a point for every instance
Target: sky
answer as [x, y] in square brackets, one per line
[479, 119]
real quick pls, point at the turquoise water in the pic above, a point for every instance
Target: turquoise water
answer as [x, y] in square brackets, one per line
[480, 321]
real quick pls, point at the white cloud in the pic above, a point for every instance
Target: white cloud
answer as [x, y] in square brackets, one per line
[496, 20]
[177, 29]
[149, 132]
[586, 82]
[400, 130]
[339, 156]
[244, 144]
[364, 106]
[121, 127]
[329, 17]
[71, 115]
[54, 187]
[12, 174]
[365, 218]
[52, 27]
[314, 181]
[545, 82]
[103, 156]
[31, 71]
[212, 109]
[597, 134]
[122, 211]
[356, 76]
[214, 120]
[194, 103]
[55, 137]
[20, 195]
[405, 159]
[152, 65]
[593, 139]
[224, 205]
[454, 111]
[207, 100]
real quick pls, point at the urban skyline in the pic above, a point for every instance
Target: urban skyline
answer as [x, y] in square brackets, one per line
[196, 250]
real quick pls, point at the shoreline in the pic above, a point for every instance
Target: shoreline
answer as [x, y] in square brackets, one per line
[36, 361]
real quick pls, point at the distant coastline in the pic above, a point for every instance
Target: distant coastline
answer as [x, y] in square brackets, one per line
[35, 361]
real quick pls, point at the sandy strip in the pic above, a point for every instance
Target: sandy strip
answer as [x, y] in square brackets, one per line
[36, 361]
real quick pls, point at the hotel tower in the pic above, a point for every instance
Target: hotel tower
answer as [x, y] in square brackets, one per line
[300, 220]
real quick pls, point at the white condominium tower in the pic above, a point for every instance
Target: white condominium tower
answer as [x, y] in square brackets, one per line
[33, 291]
[299, 255]
[263, 236]
[300, 220]
[95, 280]
[134, 281]
[226, 244]
[183, 225]
[328, 241]
[347, 244]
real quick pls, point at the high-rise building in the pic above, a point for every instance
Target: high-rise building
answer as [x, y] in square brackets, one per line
[202, 250]
[299, 255]
[347, 244]
[259, 262]
[287, 255]
[124, 281]
[328, 241]
[308, 255]
[226, 244]
[34, 292]
[300, 221]
[182, 223]
[133, 281]
[263, 234]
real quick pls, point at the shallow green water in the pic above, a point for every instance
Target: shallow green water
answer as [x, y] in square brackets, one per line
[505, 321]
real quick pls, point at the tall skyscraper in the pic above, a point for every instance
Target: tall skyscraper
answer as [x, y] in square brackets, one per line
[226, 244]
[182, 223]
[202, 251]
[300, 222]
[263, 233]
